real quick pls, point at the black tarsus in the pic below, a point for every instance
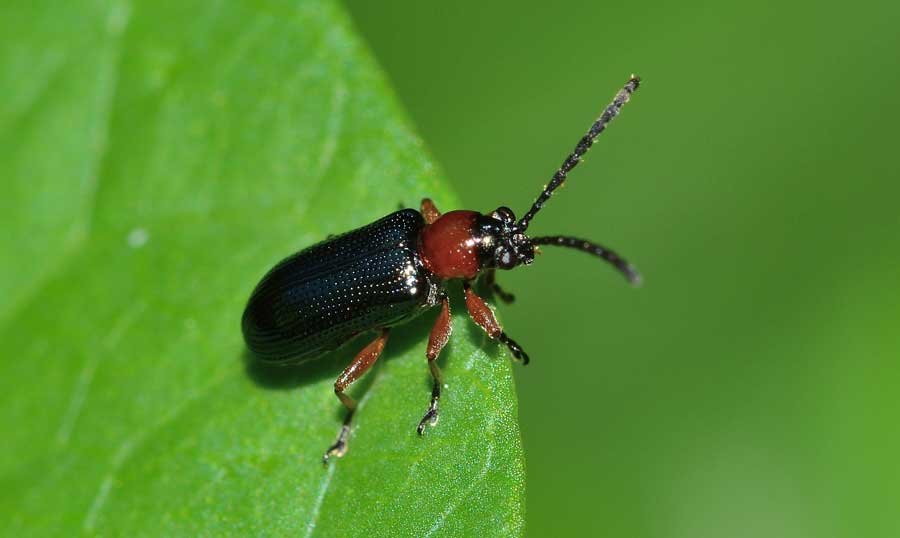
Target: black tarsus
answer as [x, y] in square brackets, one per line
[592, 248]
[431, 416]
[514, 348]
[611, 111]
[490, 280]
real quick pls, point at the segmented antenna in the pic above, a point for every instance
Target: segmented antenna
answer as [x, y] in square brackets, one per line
[592, 248]
[583, 146]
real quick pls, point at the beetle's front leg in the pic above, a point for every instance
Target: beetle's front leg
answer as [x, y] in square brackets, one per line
[360, 365]
[490, 280]
[484, 317]
[440, 335]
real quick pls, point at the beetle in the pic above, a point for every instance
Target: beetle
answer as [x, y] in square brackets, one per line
[394, 269]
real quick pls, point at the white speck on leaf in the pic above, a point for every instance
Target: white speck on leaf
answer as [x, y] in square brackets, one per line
[138, 237]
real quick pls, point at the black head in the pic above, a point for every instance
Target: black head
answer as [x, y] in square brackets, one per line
[501, 245]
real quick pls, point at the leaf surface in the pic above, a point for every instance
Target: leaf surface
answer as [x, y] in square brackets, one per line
[157, 159]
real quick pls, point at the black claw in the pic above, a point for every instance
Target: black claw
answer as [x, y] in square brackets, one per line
[339, 448]
[430, 419]
[507, 298]
[514, 348]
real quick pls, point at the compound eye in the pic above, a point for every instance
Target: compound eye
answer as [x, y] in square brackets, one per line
[505, 258]
[504, 214]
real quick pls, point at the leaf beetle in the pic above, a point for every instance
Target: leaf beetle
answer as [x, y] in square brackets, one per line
[388, 272]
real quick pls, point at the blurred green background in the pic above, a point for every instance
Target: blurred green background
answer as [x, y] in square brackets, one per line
[750, 387]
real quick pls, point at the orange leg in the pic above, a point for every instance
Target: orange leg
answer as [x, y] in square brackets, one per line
[484, 317]
[360, 365]
[440, 335]
[429, 211]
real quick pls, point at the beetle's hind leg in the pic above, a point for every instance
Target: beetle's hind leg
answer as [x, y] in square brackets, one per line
[429, 211]
[440, 334]
[482, 315]
[360, 365]
[490, 280]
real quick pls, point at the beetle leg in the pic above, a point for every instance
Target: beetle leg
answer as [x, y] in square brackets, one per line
[490, 281]
[440, 334]
[429, 211]
[484, 317]
[360, 365]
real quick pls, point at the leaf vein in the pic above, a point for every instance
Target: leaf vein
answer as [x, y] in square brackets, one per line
[86, 376]
[136, 439]
[465, 494]
[326, 482]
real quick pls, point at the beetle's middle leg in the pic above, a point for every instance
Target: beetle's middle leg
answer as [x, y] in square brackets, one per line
[440, 334]
[482, 315]
[429, 211]
[360, 365]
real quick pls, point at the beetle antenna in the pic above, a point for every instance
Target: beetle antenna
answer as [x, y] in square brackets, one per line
[583, 146]
[592, 248]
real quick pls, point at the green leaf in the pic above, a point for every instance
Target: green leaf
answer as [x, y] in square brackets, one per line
[156, 159]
